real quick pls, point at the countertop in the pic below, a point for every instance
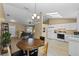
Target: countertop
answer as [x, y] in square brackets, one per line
[72, 38]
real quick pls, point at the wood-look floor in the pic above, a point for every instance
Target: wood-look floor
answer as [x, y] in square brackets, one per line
[55, 48]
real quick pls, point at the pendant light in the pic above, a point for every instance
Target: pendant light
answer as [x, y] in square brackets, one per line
[35, 16]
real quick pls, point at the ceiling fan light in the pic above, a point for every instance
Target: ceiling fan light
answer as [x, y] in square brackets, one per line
[34, 14]
[38, 17]
[32, 17]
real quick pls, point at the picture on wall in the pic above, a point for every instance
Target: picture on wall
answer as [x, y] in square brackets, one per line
[44, 29]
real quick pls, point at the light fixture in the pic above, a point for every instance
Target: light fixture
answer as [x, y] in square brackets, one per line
[38, 17]
[54, 15]
[32, 17]
[35, 16]
[12, 20]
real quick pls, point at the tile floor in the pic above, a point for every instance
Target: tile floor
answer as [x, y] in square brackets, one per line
[57, 48]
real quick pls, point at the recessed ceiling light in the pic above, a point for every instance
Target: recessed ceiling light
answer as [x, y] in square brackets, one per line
[54, 15]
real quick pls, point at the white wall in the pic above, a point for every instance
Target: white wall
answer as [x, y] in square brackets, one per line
[44, 26]
[12, 30]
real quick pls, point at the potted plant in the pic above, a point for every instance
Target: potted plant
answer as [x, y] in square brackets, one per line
[5, 40]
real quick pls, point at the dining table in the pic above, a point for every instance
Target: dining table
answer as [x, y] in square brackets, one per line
[28, 45]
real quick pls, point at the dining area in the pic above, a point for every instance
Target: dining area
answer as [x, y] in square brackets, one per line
[24, 42]
[30, 46]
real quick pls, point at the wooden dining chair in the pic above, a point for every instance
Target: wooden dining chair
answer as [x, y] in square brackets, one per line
[33, 52]
[43, 50]
[18, 53]
[42, 38]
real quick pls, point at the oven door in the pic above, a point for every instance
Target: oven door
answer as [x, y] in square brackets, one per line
[60, 36]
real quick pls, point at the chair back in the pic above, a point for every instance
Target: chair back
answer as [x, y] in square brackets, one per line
[42, 38]
[43, 50]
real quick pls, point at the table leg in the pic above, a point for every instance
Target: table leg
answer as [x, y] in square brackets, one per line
[24, 51]
[27, 52]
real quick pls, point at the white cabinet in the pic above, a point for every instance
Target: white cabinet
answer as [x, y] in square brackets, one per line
[71, 26]
[74, 48]
[50, 32]
[51, 28]
[78, 26]
[73, 45]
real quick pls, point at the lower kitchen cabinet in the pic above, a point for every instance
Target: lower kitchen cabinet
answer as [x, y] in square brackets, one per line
[74, 48]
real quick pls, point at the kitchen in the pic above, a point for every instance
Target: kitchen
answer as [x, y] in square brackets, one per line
[62, 30]
[59, 26]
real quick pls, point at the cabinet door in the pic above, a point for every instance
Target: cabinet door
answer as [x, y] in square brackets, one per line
[74, 48]
[78, 26]
[71, 26]
[50, 33]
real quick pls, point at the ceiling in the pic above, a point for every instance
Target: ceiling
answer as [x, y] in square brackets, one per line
[22, 12]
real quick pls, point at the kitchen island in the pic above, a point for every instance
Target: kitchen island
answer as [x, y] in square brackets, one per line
[73, 45]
